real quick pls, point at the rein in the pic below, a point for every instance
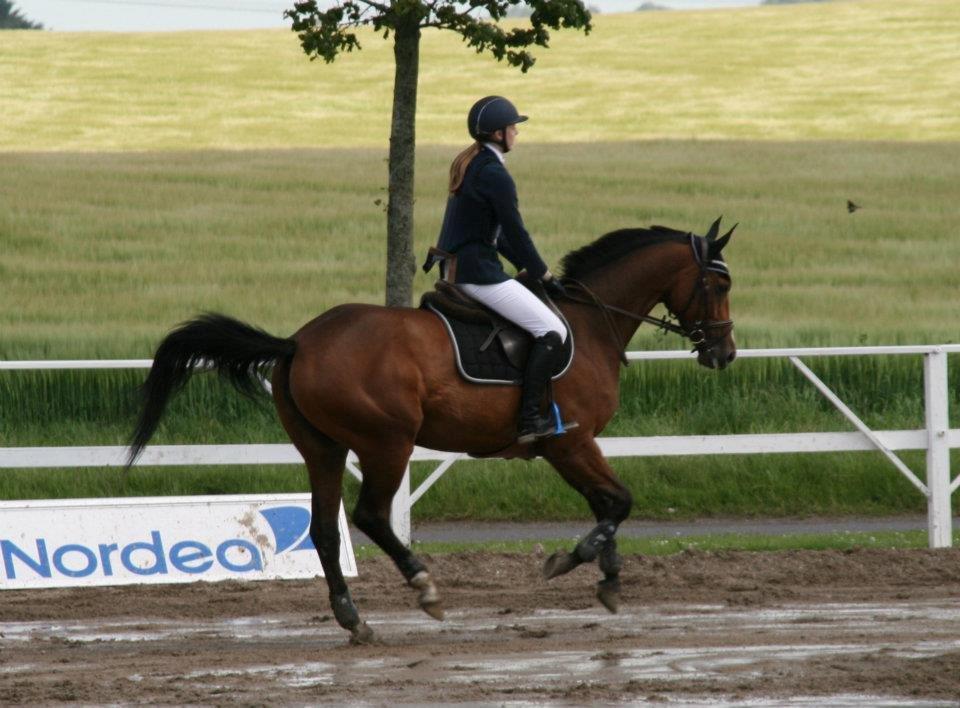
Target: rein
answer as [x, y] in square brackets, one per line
[697, 334]
[663, 323]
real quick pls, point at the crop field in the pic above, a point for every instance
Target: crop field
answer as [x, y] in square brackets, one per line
[138, 188]
[853, 70]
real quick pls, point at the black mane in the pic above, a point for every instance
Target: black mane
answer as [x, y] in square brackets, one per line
[613, 246]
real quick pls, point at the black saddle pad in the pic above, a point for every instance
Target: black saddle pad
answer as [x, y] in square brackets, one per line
[491, 365]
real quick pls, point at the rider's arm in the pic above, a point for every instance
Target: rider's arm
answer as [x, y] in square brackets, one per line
[503, 247]
[497, 186]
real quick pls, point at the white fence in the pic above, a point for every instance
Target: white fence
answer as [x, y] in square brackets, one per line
[936, 437]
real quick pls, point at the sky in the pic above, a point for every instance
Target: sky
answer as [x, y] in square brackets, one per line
[166, 15]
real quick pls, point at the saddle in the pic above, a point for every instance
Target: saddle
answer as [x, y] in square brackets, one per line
[488, 348]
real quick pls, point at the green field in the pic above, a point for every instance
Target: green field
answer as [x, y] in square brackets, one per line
[103, 253]
[138, 188]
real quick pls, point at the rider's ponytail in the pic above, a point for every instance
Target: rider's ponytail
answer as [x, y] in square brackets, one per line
[458, 167]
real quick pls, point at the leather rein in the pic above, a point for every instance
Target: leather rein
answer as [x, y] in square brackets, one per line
[697, 333]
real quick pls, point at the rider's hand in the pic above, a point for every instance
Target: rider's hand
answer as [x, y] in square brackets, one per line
[553, 286]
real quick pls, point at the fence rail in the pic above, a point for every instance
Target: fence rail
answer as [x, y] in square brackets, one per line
[936, 437]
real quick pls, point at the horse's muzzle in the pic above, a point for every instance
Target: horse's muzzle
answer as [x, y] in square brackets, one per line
[718, 356]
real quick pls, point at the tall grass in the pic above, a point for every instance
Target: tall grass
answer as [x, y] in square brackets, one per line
[659, 398]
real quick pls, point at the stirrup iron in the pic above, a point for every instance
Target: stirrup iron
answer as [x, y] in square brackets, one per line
[553, 427]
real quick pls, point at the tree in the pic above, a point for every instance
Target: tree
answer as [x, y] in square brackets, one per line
[10, 18]
[324, 33]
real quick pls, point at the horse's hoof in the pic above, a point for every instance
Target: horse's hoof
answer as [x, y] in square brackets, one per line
[608, 592]
[345, 611]
[559, 563]
[429, 596]
[434, 609]
[362, 634]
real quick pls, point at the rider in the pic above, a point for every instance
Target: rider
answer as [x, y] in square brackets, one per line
[482, 219]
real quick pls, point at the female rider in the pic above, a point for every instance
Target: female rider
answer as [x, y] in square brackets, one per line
[482, 219]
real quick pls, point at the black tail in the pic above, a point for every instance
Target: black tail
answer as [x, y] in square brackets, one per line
[237, 351]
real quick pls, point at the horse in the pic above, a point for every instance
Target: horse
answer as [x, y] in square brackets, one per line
[380, 380]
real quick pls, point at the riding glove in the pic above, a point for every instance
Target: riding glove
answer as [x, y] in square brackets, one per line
[554, 287]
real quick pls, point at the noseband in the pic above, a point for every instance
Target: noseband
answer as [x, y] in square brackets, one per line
[697, 331]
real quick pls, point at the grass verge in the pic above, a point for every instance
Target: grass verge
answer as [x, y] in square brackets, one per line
[664, 546]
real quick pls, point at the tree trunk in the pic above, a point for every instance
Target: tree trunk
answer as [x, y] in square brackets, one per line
[401, 263]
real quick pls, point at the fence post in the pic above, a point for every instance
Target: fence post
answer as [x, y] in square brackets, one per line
[939, 515]
[400, 509]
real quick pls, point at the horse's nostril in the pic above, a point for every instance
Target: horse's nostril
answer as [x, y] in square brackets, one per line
[731, 356]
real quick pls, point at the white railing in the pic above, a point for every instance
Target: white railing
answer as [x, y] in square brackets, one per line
[936, 437]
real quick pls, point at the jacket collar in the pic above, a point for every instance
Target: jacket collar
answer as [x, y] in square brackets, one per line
[495, 149]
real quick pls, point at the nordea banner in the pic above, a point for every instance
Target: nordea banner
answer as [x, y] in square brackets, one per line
[83, 542]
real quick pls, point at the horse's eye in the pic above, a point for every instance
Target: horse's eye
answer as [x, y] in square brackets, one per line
[723, 288]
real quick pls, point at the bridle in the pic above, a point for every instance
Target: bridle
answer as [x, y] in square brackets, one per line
[697, 331]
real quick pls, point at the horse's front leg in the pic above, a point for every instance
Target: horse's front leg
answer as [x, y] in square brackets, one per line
[608, 589]
[582, 465]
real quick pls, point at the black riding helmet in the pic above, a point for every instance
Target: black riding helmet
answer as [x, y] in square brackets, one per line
[491, 114]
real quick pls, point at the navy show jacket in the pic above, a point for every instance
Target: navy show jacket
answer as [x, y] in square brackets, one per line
[482, 219]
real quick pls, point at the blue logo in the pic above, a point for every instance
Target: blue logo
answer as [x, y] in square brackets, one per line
[290, 526]
[153, 557]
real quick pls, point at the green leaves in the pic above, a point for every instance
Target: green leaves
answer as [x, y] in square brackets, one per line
[321, 32]
[12, 18]
[325, 33]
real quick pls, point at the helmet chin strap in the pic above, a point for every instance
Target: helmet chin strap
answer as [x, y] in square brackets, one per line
[502, 142]
[491, 138]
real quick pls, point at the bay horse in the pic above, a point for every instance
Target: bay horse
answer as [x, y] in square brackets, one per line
[379, 380]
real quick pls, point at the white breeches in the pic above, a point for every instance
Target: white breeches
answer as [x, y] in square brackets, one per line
[514, 302]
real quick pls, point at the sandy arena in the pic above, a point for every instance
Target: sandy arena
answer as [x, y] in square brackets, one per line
[866, 627]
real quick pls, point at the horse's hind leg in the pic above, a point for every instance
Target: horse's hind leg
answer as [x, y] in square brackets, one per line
[383, 471]
[583, 466]
[326, 477]
[325, 464]
[325, 460]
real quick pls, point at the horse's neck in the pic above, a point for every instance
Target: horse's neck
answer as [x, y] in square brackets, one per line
[636, 285]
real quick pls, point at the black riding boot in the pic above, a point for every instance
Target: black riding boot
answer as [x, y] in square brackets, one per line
[541, 365]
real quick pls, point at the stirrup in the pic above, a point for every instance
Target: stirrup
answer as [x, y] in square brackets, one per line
[529, 436]
[546, 427]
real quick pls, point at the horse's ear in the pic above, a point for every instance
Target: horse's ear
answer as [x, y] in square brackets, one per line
[717, 245]
[714, 229]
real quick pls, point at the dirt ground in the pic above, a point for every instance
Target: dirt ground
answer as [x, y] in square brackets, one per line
[865, 627]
